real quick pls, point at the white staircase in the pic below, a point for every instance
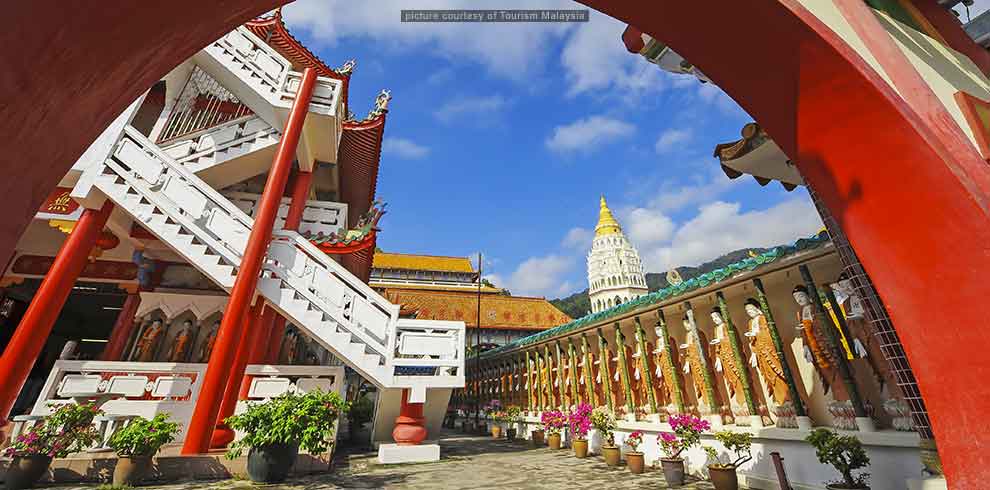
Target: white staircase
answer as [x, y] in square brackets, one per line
[310, 289]
[227, 153]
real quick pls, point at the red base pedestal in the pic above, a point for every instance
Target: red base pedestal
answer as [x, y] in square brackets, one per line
[222, 436]
[410, 428]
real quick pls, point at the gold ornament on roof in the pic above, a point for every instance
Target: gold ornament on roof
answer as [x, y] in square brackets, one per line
[607, 225]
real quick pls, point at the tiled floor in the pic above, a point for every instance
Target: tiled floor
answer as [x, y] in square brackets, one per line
[467, 463]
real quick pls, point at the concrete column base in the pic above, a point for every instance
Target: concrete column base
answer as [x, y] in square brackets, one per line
[865, 424]
[804, 423]
[930, 483]
[419, 453]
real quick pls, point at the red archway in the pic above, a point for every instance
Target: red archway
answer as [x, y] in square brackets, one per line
[909, 191]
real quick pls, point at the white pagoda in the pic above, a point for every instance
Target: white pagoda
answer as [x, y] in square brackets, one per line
[615, 273]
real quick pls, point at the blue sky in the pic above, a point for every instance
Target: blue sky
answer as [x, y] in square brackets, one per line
[501, 137]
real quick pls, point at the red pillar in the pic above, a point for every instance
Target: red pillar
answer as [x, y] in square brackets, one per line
[222, 434]
[219, 368]
[123, 328]
[275, 340]
[260, 332]
[410, 428]
[300, 192]
[32, 333]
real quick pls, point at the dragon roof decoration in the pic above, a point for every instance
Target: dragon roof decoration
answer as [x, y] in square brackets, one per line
[360, 237]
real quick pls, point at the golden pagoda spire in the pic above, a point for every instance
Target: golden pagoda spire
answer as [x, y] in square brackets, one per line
[607, 225]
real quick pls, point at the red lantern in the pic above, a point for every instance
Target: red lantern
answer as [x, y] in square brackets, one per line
[106, 241]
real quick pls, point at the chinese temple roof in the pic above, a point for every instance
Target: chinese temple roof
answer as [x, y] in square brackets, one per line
[607, 224]
[361, 236]
[497, 311]
[716, 276]
[438, 263]
[758, 155]
[271, 28]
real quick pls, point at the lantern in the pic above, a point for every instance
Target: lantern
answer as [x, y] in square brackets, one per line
[106, 241]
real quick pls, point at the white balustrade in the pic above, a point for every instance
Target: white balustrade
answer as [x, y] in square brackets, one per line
[218, 144]
[318, 216]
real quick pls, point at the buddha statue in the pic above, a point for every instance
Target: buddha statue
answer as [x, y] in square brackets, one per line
[640, 368]
[698, 365]
[816, 350]
[864, 344]
[764, 355]
[148, 343]
[179, 350]
[206, 348]
[665, 376]
[728, 369]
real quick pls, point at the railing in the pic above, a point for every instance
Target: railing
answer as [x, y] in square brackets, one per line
[429, 348]
[318, 217]
[191, 148]
[202, 104]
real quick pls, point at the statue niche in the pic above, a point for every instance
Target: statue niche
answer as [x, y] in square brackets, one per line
[699, 366]
[147, 344]
[181, 344]
[206, 347]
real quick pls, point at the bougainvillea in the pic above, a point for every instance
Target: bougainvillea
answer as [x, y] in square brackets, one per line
[603, 421]
[553, 421]
[68, 429]
[687, 433]
[634, 440]
[580, 421]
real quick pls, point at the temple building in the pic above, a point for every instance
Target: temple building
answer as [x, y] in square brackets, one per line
[221, 228]
[615, 273]
[446, 288]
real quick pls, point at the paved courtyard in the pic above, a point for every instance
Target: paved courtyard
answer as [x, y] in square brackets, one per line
[467, 462]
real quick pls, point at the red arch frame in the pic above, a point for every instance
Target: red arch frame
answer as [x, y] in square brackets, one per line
[911, 194]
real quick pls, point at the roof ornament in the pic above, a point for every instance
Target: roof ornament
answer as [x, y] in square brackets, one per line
[347, 68]
[381, 104]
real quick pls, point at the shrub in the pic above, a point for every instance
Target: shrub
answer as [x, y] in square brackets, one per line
[738, 443]
[844, 453]
[306, 420]
[68, 429]
[580, 421]
[553, 421]
[603, 420]
[143, 437]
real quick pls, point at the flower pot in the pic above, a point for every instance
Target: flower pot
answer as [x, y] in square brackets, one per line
[554, 441]
[497, 431]
[510, 434]
[130, 470]
[612, 455]
[271, 464]
[25, 471]
[537, 437]
[580, 448]
[673, 470]
[635, 462]
[723, 478]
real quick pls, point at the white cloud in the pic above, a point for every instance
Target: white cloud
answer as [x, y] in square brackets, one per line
[585, 134]
[720, 227]
[510, 50]
[646, 227]
[470, 106]
[404, 148]
[538, 276]
[702, 188]
[578, 238]
[671, 139]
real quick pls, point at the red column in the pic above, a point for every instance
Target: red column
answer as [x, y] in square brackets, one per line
[222, 434]
[32, 333]
[275, 340]
[410, 428]
[219, 368]
[300, 192]
[123, 328]
[261, 330]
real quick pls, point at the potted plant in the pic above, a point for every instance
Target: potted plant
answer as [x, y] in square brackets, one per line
[491, 409]
[845, 454]
[553, 423]
[723, 474]
[634, 458]
[687, 433]
[603, 420]
[275, 430]
[580, 423]
[68, 429]
[136, 443]
[513, 417]
[360, 414]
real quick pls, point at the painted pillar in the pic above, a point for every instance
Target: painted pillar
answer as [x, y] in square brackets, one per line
[644, 365]
[529, 383]
[620, 354]
[123, 328]
[275, 339]
[845, 372]
[572, 363]
[410, 429]
[204, 416]
[261, 326]
[561, 380]
[778, 344]
[737, 353]
[31, 334]
[668, 356]
[604, 371]
[552, 401]
[589, 366]
[539, 381]
[222, 434]
[301, 182]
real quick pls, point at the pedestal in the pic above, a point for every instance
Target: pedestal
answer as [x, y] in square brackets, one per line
[865, 424]
[804, 423]
[716, 421]
[398, 454]
[930, 483]
[755, 421]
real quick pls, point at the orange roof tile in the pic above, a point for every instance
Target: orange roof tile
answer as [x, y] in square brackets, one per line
[497, 311]
[422, 262]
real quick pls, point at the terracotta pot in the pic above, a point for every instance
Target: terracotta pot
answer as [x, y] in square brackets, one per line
[673, 470]
[271, 464]
[130, 470]
[537, 437]
[635, 462]
[580, 447]
[25, 471]
[497, 431]
[554, 441]
[612, 455]
[723, 478]
[510, 434]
